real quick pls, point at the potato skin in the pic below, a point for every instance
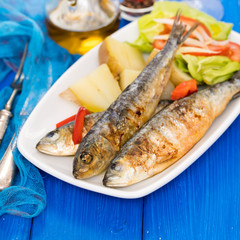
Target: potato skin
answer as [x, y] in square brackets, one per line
[69, 96]
[107, 56]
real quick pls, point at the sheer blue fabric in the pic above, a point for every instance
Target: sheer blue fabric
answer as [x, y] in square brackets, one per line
[22, 21]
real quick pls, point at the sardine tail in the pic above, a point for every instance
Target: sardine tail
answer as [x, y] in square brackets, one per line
[189, 32]
[179, 29]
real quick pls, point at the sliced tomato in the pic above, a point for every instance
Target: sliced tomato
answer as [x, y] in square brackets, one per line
[201, 28]
[203, 54]
[201, 33]
[234, 51]
[159, 44]
[231, 50]
[184, 89]
[223, 50]
[199, 42]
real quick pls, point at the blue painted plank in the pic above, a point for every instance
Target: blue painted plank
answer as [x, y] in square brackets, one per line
[204, 201]
[14, 227]
[7, 80]
[74, 213]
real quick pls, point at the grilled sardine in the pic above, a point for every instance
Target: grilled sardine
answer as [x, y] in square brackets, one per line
[59, 141]
[126, 115]
[169, 135]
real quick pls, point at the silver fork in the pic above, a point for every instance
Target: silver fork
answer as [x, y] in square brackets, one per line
[5, 114]
[7, 164]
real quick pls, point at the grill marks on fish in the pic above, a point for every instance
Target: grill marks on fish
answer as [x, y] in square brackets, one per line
[59, 141]
[169, 135]
[89, 121]
[124, 125]
[122, 119]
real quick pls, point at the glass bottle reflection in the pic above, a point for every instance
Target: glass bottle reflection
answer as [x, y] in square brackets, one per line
[80, 25]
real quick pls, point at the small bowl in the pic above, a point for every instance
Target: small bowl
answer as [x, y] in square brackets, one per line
[131, 14]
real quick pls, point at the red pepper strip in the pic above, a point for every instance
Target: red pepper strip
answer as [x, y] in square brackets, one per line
[184, 89]
[65, 121]
[78, 125]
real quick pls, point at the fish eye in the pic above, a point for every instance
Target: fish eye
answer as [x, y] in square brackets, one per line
[53, 135]
[86, 158]
[116, 167]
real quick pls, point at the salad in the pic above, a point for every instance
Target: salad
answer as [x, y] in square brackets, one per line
[207, 55]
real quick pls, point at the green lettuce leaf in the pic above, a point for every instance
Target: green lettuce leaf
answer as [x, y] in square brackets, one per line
[148, 28]
[219, 30]
[142, 44]
[209, 70]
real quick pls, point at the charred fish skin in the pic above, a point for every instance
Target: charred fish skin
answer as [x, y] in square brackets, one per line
[126, 115]
[169, 135]
[88, 159]
[58, 142]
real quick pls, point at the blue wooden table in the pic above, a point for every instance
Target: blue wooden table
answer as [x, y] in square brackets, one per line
[202, 203]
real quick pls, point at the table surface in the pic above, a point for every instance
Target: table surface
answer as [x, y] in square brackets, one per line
[201, 203]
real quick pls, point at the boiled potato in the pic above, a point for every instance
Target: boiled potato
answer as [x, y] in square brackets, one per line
[154, 52]
[177, 75]
[119, 56]
[167, 91]
[97, 90]
[89, 96]
[127, 76]
[69, 96]
[103, 79]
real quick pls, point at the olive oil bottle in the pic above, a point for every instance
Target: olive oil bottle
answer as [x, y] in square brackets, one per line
[79, 25]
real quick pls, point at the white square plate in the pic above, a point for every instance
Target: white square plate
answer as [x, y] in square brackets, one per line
[52, 109]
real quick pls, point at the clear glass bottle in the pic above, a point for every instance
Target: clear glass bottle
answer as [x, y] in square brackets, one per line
[212, 7]
[79, 25]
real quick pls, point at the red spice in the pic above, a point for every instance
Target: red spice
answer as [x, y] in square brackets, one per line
[138, 3]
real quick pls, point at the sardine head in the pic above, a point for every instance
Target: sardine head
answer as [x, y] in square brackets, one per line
[49, 143]
[118, 174]
[92, 157]
[58, 142]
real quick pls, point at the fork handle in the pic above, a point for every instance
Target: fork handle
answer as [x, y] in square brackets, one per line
[7, 167]
[9, 103]
[5, 115]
